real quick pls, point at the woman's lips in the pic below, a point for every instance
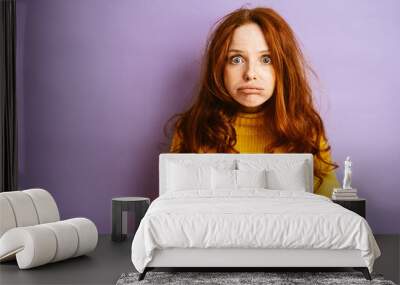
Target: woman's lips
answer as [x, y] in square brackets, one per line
[250, 90]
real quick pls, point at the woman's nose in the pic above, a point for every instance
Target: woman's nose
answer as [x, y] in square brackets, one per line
[250, 73]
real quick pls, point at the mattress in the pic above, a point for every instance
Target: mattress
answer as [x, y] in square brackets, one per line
[252, 218]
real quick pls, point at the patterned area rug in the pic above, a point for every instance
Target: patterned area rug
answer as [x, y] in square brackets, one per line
[229, 278]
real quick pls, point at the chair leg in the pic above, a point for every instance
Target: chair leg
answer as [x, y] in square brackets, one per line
[143, 274]
[364, 271]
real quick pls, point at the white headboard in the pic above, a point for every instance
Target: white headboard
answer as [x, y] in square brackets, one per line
[213, 157]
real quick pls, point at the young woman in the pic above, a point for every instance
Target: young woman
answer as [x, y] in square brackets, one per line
[254, 96]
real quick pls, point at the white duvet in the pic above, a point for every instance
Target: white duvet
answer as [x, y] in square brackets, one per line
[250, 218]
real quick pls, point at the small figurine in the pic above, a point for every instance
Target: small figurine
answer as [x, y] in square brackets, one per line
[347, 174]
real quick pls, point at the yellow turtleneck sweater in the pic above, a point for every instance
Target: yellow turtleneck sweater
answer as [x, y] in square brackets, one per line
[251, 137]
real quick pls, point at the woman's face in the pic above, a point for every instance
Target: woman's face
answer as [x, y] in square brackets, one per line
[248, 74]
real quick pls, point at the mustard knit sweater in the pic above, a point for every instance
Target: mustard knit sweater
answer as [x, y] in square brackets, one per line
[251, 138]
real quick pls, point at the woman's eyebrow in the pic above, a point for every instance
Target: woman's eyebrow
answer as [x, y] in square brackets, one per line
[238, 50]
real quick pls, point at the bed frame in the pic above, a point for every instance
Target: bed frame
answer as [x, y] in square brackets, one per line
[242, 259]
[246, 259]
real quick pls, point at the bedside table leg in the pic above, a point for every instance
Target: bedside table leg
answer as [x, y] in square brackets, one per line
[116, 234]
[140, 211]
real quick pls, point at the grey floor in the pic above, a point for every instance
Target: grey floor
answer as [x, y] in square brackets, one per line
[110, 260]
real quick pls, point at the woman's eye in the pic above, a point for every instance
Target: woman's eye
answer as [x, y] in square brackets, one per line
[236, 59]
[266, 59]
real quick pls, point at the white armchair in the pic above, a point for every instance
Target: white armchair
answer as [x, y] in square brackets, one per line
[31, 230]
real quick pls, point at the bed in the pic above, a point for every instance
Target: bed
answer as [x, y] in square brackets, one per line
[245, 211]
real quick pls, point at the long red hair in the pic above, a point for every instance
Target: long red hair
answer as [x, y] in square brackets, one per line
[207, 126]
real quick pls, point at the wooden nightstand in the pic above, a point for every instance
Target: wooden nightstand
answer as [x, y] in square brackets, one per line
[357, 205]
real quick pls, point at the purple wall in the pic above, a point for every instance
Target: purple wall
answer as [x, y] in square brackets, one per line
[98, 79]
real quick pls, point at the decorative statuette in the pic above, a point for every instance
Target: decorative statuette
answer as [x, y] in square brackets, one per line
[347, 174]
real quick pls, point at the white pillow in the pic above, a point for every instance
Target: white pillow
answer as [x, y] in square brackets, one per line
[251, 178]
[236, 179]
[223, 179]
[281, 174]
[188, 177]
[288, 179]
